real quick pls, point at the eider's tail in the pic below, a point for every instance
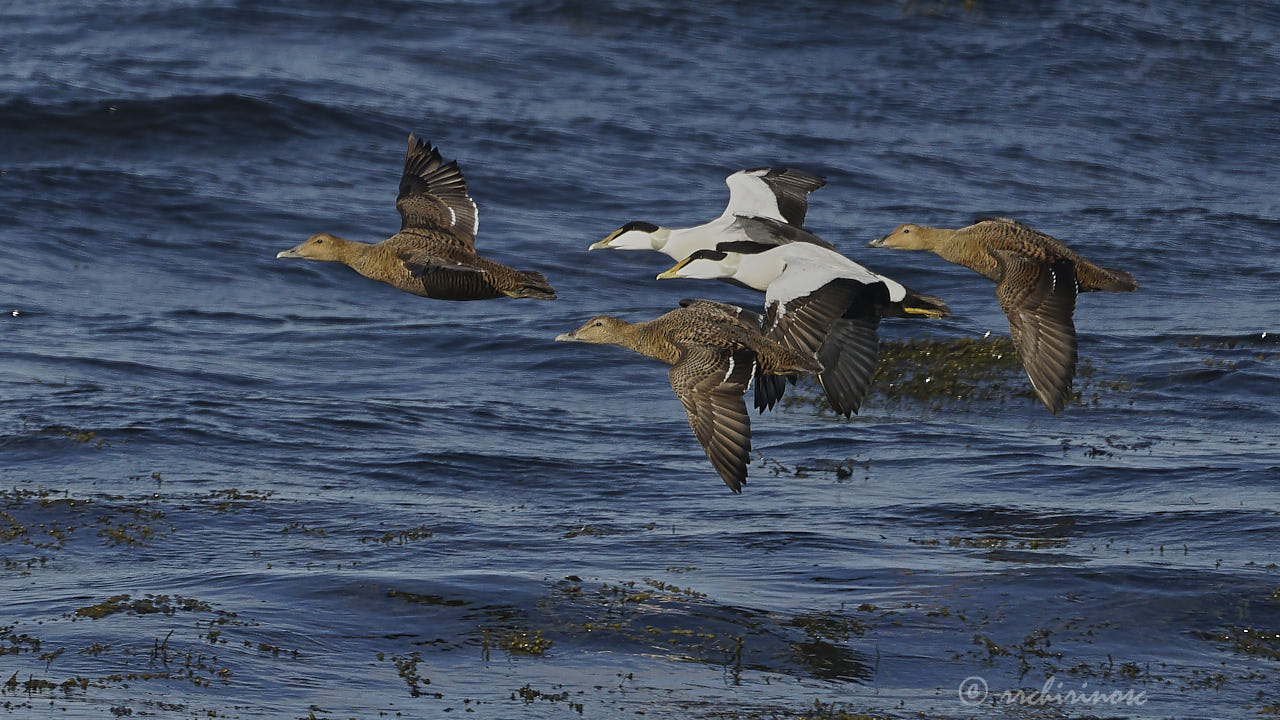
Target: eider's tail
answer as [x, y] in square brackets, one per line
[534, 285]
[1093, 277]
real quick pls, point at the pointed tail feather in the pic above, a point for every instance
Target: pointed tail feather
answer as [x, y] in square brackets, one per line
[1093, 277]
[769, 386]
[534, 285]
[769, 389]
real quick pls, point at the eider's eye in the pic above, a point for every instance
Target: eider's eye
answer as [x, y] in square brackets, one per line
[599, 323]
[906, 230]
[319, 240]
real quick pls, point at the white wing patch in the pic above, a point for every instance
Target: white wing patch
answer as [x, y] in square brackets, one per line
[749, 195]
[727, 373]
[810, 268]
[823, 266]
[799, 279]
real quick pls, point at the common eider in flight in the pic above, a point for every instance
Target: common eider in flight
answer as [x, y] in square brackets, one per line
[817, 302]
[713, 350]
[434, 254]
[1037, 278]
[775, 193]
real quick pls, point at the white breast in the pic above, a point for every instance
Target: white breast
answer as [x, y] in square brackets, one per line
[760, 270]
[683, 242]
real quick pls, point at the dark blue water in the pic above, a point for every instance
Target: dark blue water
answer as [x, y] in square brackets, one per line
[323, 497]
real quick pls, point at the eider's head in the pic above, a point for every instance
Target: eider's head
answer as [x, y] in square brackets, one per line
[638, 235]
[317, 247]
[906, 237]
[601, 329]
[705, 265]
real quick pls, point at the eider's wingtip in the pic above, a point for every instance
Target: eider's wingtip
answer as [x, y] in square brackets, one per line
[418, 144]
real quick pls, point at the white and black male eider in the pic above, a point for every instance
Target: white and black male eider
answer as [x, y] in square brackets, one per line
[1037, 278]
[713, 349]
[434, 254]
[774, 193]
[817, 302]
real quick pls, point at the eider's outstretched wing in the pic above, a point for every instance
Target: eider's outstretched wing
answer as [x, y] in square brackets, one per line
[741, 316]
[433, 195]
[849, 356]
[710, 382]
[768, 231]
[1039, 300]
[777, 193]
[823, 320]
[444, 278]
[421, 263]
[769, 387]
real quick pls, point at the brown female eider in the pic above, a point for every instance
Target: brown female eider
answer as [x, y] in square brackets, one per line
[434, 254]
[1037, 278]
[713, 351]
